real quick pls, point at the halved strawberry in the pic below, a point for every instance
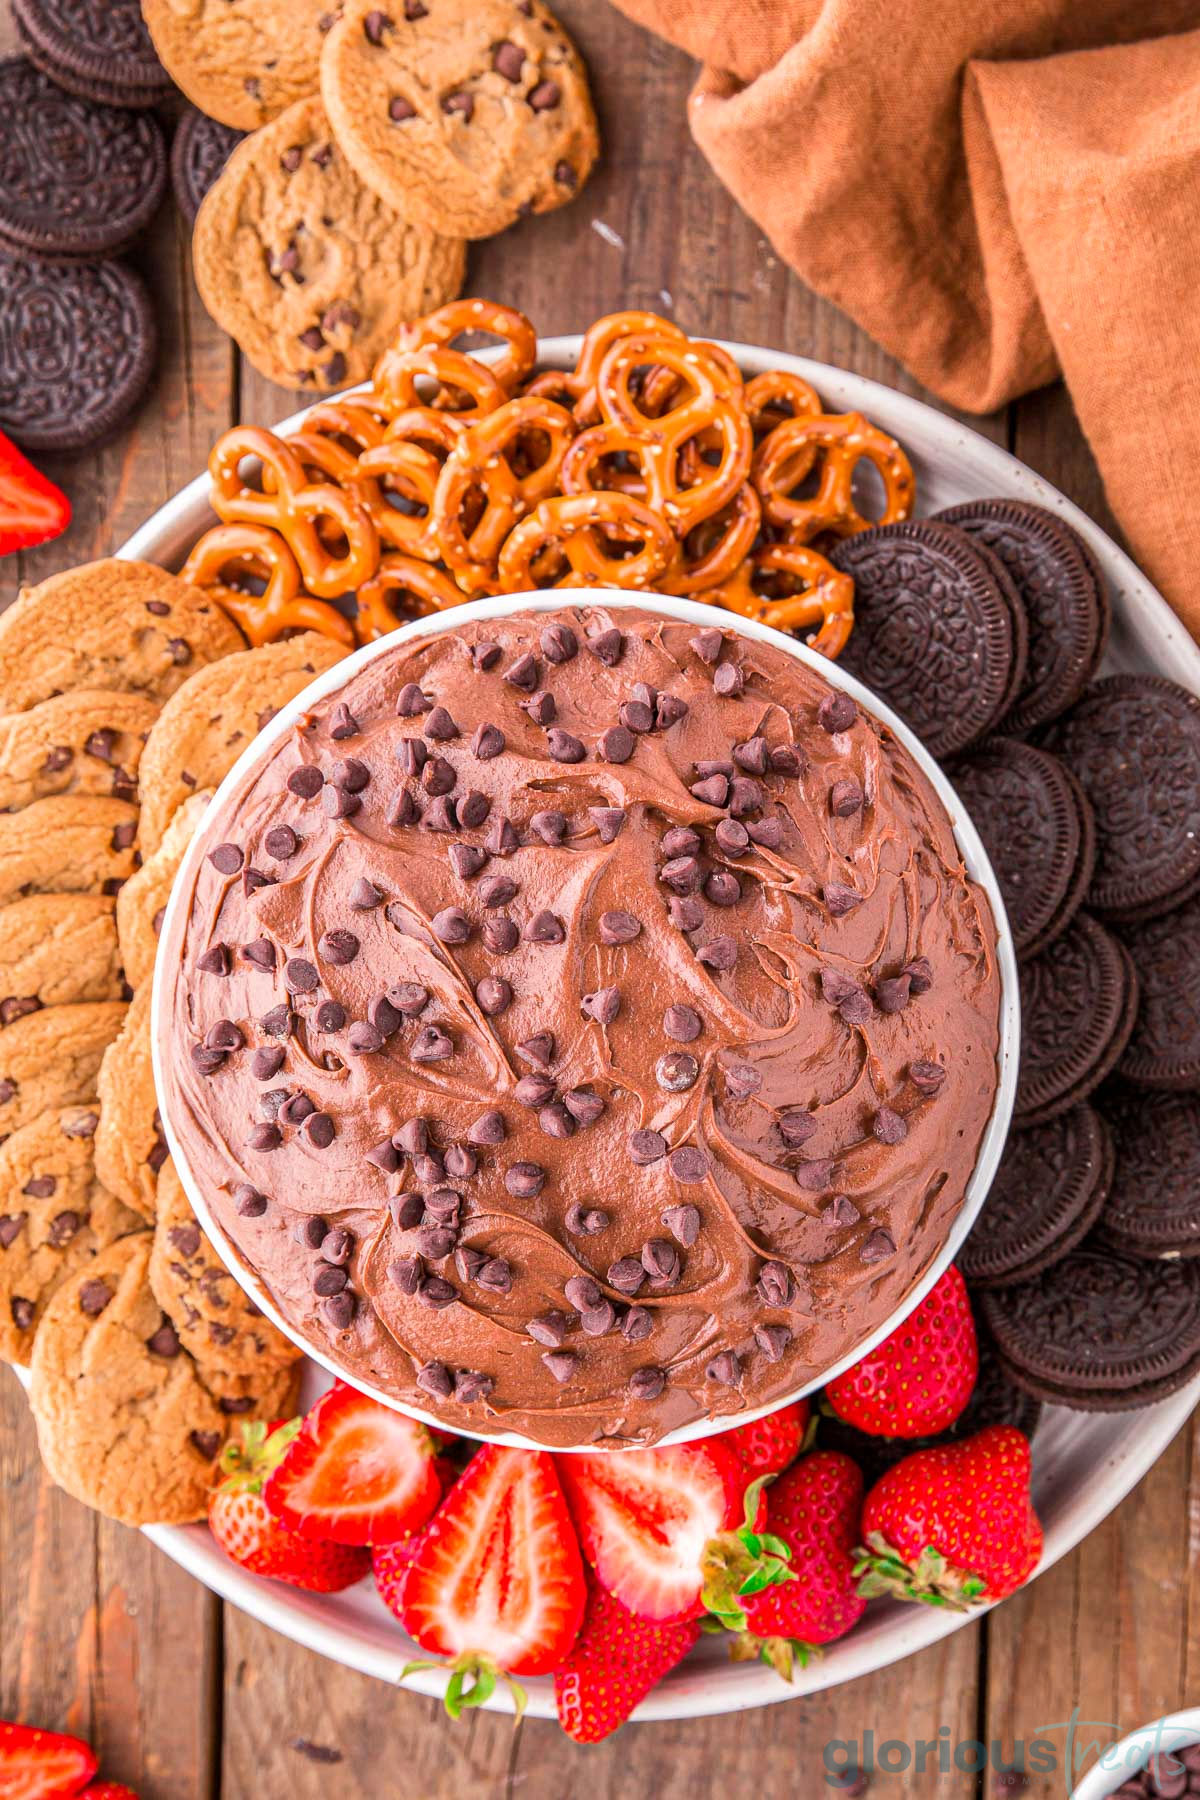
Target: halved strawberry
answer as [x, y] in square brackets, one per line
[36, 1764]
[252, 1536]
[32, 509]
[645, 1518]
[614, 1663]
[357, 1473]
[497, 1584]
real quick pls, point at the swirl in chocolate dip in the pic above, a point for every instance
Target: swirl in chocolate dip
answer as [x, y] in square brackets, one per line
[583, 1024]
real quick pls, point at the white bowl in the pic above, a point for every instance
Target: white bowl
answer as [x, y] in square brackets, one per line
[973, 854]
[1117, 1762]
[1085, 1463]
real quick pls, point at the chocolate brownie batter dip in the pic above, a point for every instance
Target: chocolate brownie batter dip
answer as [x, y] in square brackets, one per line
[583, 1024]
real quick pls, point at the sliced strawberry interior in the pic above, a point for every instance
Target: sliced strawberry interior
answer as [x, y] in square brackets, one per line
[645, 1516]
[358, 1473]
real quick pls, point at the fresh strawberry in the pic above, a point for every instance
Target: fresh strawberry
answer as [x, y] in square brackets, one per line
[615, 1661]
[768, 1445]
[646, 1518]
[35, 1765]
[32, 509]
[918, 1380]
[953, 1526]
[357, 1473]
[239, 1519]
[390, 1564]
[106, 1790]
[497, 1583]
[815, 1513]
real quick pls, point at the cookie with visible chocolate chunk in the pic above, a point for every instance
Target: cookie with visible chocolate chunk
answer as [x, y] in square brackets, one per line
[56, 949]
[52, 1058]
[125, 626]
[54, 1217]
[142, 901]
[1078, 1004]
[124, 1421]
[201, 148]
[130, 1147]
[203, 729]
[466, 114]
[305, 266]
[1047, 1193]
[240, 61]
[216, 1319]
[1153, 1208]
[69, 844]
[82, 742]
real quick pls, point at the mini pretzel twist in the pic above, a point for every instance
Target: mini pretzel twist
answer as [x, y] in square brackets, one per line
[778, 395]
[714, 552]
[826, 597]
[581, 529]
[411, 472]
[461, 386]
[295, 507]
[510, 368]
[841, 441]
[402, 588]
[488, 470]
[262, 554]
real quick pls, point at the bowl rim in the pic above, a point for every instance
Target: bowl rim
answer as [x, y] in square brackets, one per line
[1117, 1762]
[970, 847]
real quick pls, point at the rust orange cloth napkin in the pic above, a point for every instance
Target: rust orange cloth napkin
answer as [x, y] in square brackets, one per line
[997, 190]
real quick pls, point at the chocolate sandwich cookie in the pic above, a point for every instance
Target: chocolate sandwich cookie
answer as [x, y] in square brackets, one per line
[1101, 1331]
[1134, 743]
[76, 352]
[1078, 1002]
[102, 52]
[1153, 1207]
[200, 151]
[933, 635]
[1036, 825]
[1050, 1186]
[1164, 1051]
[1057, 578]
[80, 179]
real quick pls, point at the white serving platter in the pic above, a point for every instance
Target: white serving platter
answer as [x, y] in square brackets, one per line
[1085, 1464]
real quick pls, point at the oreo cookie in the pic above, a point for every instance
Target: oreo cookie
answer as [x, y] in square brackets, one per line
[80, 179]
[100, 49]
[1051, 1184]
[934, 635]
[1036, 826]
[200, 151]
[1153, 1207]
[1100, 1331]
[77, 348]
[1078, 1002]
[1164, 1051]
[1059, 582]
[1134, 743]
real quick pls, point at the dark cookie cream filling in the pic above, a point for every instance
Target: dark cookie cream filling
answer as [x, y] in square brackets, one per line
[584, 1024]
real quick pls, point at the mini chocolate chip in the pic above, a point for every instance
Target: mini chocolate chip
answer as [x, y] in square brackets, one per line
[892, 993]
[772, 1340]
[728, 681]
[533, 1090]
[410, 701]
[10, 1229]
[436, 1241]
[494, 996]
[350, 773]
[719, 953]
[583, 1293]
[545, 97]
[683, 1222]
[300, 976]
[618, 927]
[661, 1261]
[683, 1023]
[406, 1273]
[786, 759]
[523, 673]
[608, 821]
[646, 1147]
[383, 1156]
[541, 707]
[338, 946]
[840, 899]
[837, 712]
[82, 1127]
[586, 1221]
[878, 1246]
[461, 1163]
[488, 742]
[926, 1076]
[260, 954]
[599, 1321]
[311, 1233]
[402, 810]
[920, 974]
[473, 809]
[451, 925]
[815, 1175]
[342, 723]
[216, 960]
[328, 1280]
[722, 888]
[486, 655]
[603, 1005]
[496, 1275]
[548, 1328]
[435, 1378]
[745, 796]
[466, 860]
[164, 1342]
[545, 928]
[607, 646]
[555, 1121]
[248, 1202]
[668, 710]
[637, 1324]
[524, 1179]
[205, 1061]
[441, 725]
[724, 1369]
[676, 1071]
[305, 782]
[278, 1022]
[407, 1210]
[408, 998]
[15, 1008]
[497, 891]
[94, 1296]
[330, 1016]
[617, 744]
[538, 1049]
[339, 1309]
[796, 1127]
[708, 644]
[626, 1275]
[364, 1039]
[889, 1127]
[488, 1129]
[438, 777]
[470, 1387]
[564, 747]
[264, 1137]
[647, 1384]
[681, 840]
[842, 1210]
[181, 652]
[223, 1034]
[687, 1164]
[713, 790]
[636, 716]
[227, 859]
[562, 1364]
[845, 799]
[502, 839]
[319, 1130]
[339, 802]
[731, 837]
[500, 934]
[400, 109]
[752, 755]
[412, 754]
[775, 1286]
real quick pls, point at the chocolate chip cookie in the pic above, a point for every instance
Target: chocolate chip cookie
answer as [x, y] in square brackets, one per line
[54, 1217]
[56, 949]
[203, 730]
[240, 61]
[126, 626]
[305, 265]
[216, 1320]
[465, 114]
[142, 901]
[124, 1422]
[52, 1058]
[70, 844]
[130, 1148]
[88, 741]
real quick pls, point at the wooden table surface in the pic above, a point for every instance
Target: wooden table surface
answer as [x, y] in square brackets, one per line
[187, 1699]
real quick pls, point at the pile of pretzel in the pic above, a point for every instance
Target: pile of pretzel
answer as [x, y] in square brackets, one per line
[650, 465]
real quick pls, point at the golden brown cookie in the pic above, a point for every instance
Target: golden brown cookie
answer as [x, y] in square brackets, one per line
[124, 1422]
[203, 730]
[69, 844]
[142, 902]
[216, 1320]
[305, 265]
[88, 741]
[56, 949]
[52, 1058]
[122, 625]
[240, 61]
[466, 114]
[54, 1217]
[130, 1148]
